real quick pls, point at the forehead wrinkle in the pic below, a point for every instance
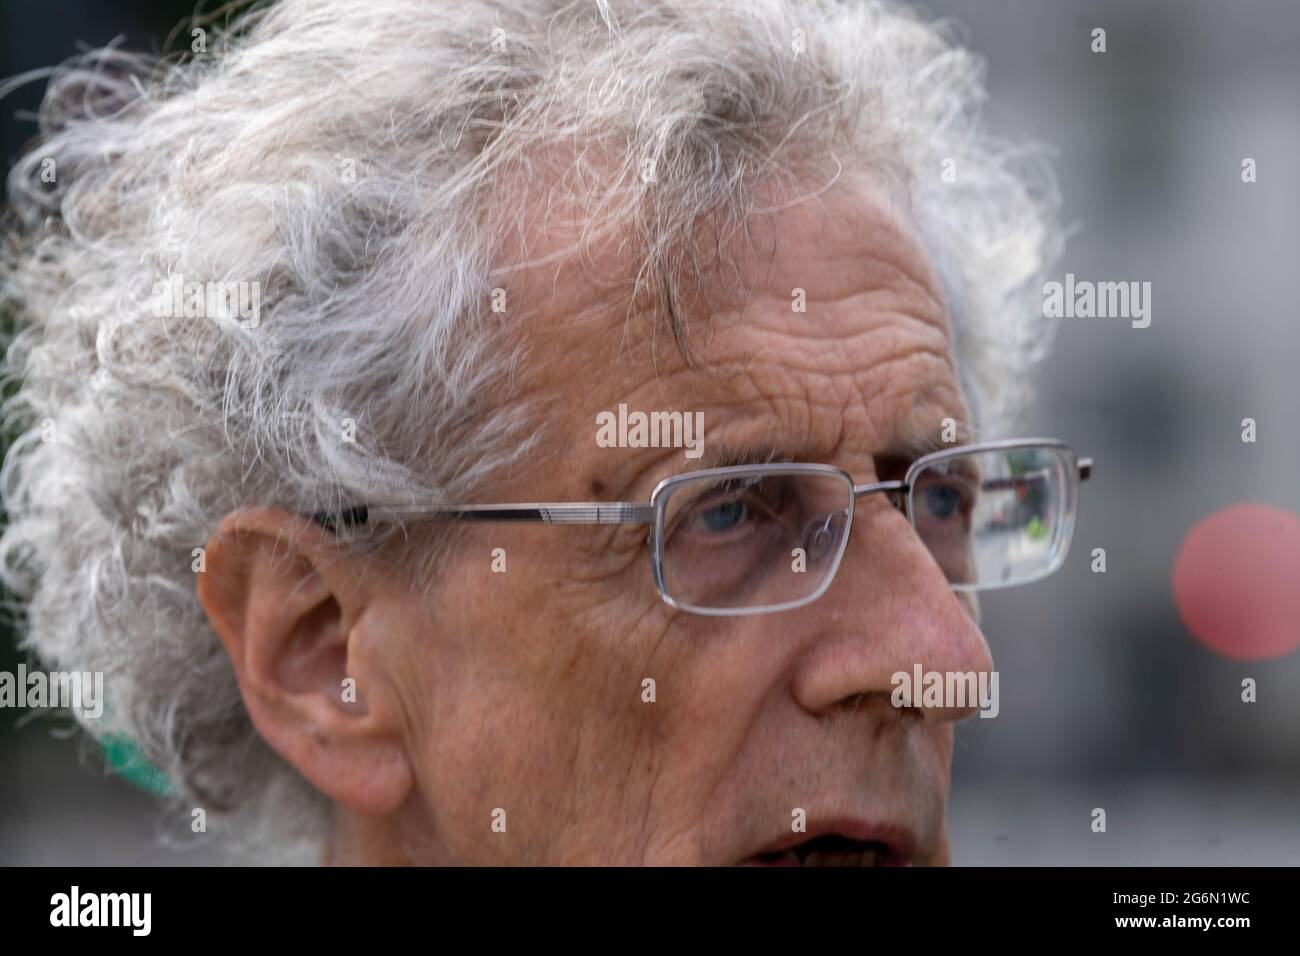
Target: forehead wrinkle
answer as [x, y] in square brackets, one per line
[914, 406]
[888, 281]
[878, 403]
[797, 421]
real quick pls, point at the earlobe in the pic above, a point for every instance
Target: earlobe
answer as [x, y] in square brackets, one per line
[284, 601]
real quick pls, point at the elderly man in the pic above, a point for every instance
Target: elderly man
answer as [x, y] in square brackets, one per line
[325, 329]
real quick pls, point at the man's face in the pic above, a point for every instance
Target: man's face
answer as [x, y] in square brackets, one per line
[525, 691]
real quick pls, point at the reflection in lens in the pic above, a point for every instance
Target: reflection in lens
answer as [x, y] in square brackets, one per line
[994, 518]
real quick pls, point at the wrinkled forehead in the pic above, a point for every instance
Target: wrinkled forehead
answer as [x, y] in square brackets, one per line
[820, 312]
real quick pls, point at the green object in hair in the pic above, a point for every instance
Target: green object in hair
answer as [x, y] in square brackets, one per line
[124, 758]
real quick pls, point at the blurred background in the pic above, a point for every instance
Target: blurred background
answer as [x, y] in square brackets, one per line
[1107, 699]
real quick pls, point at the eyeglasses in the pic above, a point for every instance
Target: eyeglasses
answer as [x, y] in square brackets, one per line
[754, 539]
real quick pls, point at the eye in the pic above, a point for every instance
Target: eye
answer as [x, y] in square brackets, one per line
[722, 517]
[942, 501]
[731, 510]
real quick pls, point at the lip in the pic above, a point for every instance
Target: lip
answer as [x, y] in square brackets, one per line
[899, 842]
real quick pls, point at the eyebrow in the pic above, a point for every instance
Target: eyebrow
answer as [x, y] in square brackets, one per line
[917, 445]
[721, 455]
[903, 451]
[930, 442]
[905, 447]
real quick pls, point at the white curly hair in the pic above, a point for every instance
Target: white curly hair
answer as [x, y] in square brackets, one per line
[359, 159]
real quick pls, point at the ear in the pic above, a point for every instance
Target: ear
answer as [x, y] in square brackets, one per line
[291, 609]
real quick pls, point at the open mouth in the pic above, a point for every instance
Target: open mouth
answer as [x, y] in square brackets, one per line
[831, 850]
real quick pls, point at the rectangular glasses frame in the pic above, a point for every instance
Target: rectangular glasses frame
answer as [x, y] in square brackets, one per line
[652, 513]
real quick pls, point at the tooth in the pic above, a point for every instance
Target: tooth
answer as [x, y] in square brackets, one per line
[830, 858]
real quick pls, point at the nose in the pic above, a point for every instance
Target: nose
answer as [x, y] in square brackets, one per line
[889, 609]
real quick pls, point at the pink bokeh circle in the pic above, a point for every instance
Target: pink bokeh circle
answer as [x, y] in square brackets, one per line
[1236, 582]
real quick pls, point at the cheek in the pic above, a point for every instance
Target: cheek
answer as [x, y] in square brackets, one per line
[539, 710]
[492, 770]
[723, 724]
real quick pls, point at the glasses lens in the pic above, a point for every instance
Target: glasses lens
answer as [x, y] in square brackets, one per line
[753, 538]
[997, 518]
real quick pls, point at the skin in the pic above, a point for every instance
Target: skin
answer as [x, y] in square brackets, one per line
[523, 690]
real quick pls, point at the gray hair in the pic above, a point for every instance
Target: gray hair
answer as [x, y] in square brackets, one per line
[139, 432]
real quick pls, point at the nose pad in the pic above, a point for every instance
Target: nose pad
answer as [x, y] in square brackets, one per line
[821, 538]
